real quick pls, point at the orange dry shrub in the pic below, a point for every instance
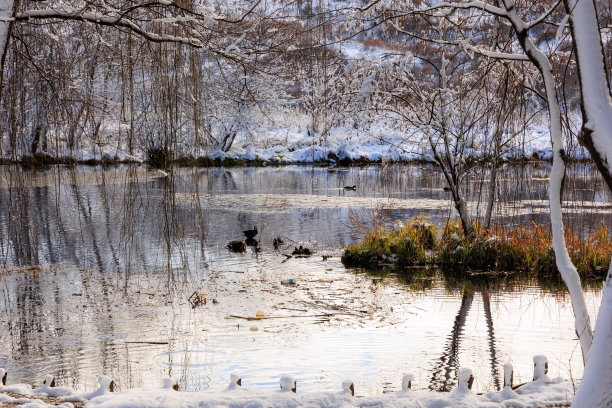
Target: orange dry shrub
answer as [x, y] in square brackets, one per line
[591, 255]
[519, 248]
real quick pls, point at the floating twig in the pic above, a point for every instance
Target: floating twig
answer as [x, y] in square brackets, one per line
[197, 299]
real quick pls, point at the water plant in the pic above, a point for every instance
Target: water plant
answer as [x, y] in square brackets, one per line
[525, 248]
[412, 243]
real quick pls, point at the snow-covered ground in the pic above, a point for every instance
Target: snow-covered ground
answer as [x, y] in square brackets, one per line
[542, 392]
[290, 143]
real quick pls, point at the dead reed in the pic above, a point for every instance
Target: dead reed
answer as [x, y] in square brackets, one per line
[520, 248]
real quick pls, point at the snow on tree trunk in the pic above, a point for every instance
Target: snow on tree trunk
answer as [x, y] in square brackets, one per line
[6, 14]
[596, 387]
[595, 390]
[596, 105]
[564, 263]
[568, 271]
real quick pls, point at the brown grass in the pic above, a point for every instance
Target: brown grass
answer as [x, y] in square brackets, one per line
[521, 248]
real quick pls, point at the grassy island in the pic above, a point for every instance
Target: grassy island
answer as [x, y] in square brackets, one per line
[524, 248]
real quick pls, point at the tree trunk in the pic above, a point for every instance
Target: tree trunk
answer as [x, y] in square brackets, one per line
[36, 135]
[596, 387]
[492, 183]
[564, 263]
[450, 173]
[461, 206]
[8, 8]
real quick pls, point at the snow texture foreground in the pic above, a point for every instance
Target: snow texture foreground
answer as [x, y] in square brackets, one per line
[539, 393]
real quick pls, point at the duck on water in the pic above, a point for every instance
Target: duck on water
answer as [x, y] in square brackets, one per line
[250, 234]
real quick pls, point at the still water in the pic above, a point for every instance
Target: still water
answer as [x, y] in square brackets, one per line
[98, 265]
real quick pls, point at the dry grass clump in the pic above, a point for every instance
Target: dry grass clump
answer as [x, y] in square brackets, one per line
[412, 243]
[520, 248]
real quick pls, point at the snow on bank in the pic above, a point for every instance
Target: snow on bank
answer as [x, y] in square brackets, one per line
[378, 143]
[28, 402]
[542, 392]
[289, 142]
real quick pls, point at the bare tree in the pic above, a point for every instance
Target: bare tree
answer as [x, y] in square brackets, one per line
[466, 26]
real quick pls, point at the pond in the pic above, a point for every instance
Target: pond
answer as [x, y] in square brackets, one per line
[98, 266]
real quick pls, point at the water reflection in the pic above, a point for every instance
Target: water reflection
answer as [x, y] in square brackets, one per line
[445, 369]
[99, 264]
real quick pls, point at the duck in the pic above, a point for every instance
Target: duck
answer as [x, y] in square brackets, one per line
[250, 234]
[251, 242]
[277, 242]
[351, 188]
[236, 246]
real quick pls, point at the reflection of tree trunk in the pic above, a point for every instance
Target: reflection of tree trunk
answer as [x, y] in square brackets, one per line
[130, 212]
[110, 225]
[201, 229]
[442, 379]
[104, 322]
[19, 226]
[69, 245]
[41, 196]
[86, 216]
[486, 302]
[29, 309]
[171, 228]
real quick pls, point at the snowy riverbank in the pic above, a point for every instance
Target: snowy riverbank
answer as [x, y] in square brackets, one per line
[542, 392]
[289, 142]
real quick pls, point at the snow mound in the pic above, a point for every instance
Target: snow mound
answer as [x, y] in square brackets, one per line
[49, 390]
[538, 393]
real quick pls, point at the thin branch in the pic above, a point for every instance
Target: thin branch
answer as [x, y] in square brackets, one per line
[105, 20]
[466, 46]
[543, 16]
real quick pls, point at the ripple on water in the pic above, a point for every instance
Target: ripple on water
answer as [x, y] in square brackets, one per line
[120, 255]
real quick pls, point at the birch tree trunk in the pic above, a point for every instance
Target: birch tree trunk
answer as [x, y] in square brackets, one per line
[7, 10]
[596, 387]
[568, 271]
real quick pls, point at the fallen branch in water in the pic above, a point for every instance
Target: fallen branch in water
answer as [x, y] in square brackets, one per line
[284, 317]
